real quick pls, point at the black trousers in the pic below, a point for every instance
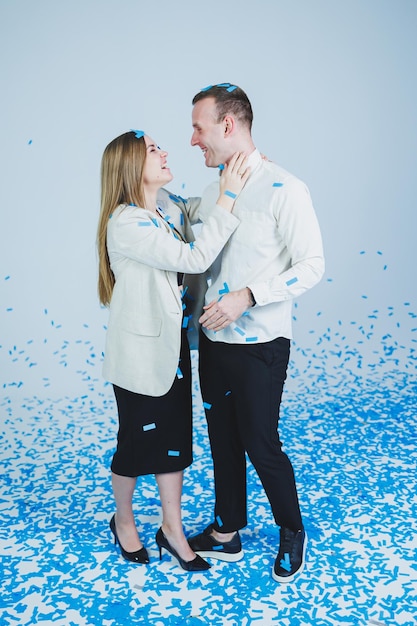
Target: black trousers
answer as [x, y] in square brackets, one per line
[241, 387]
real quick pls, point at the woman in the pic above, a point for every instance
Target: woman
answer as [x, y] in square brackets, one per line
[143, 251]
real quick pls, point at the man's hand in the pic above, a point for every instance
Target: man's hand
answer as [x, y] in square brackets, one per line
[220, 313]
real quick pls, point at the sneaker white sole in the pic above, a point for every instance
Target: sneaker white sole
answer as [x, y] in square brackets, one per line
[290, 577]
[220, 556]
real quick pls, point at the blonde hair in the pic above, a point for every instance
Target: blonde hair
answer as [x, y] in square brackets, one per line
[121, 183]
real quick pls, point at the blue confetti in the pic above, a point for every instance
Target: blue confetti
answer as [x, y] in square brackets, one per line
[173, 453]
[285, 562]
[278, 184]
[207, 405]
[292, 281]
[224, 290]
[365, 574]
[228, 86]
[151, 426]
[138, 133]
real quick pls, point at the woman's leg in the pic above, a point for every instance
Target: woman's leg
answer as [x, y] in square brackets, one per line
[170, 490]
[123, 488]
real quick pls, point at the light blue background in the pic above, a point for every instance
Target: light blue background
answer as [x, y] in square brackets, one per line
[333, 87]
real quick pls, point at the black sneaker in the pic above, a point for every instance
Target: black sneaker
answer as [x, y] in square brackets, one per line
[207, 546]
[291, 555]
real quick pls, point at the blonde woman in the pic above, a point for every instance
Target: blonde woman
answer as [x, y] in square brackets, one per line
[145, 244]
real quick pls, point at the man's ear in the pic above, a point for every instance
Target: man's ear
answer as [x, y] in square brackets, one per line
[229, 125]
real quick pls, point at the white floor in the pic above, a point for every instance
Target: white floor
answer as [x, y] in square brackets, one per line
[354, 454]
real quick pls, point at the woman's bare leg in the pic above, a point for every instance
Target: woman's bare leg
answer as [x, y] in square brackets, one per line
[170, 491]
[123, 488]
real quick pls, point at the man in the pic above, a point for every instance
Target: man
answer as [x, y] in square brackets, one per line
[274, 256]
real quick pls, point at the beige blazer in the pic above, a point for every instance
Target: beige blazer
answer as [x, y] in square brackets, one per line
[143, 338]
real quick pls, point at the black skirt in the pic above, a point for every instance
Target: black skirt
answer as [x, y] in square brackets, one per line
[155, 433]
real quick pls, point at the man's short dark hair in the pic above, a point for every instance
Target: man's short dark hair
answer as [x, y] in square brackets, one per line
[230, 100]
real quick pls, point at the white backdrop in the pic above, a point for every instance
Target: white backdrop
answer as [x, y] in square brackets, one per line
[333, 87]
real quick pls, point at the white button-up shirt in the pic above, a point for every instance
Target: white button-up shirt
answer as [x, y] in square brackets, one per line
[276, 251]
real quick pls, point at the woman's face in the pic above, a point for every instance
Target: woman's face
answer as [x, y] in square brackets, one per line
[155, 170]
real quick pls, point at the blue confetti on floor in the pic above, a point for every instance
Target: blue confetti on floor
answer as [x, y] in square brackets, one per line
[349, 426]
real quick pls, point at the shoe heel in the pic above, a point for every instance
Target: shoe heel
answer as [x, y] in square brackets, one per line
[139, 556]
[196, 565]
[113, 529]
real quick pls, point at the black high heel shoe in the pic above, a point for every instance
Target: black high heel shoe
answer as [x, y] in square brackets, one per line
[196, 565]
[140, 556]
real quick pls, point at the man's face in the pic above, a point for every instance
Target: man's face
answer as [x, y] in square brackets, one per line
[208, 134]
